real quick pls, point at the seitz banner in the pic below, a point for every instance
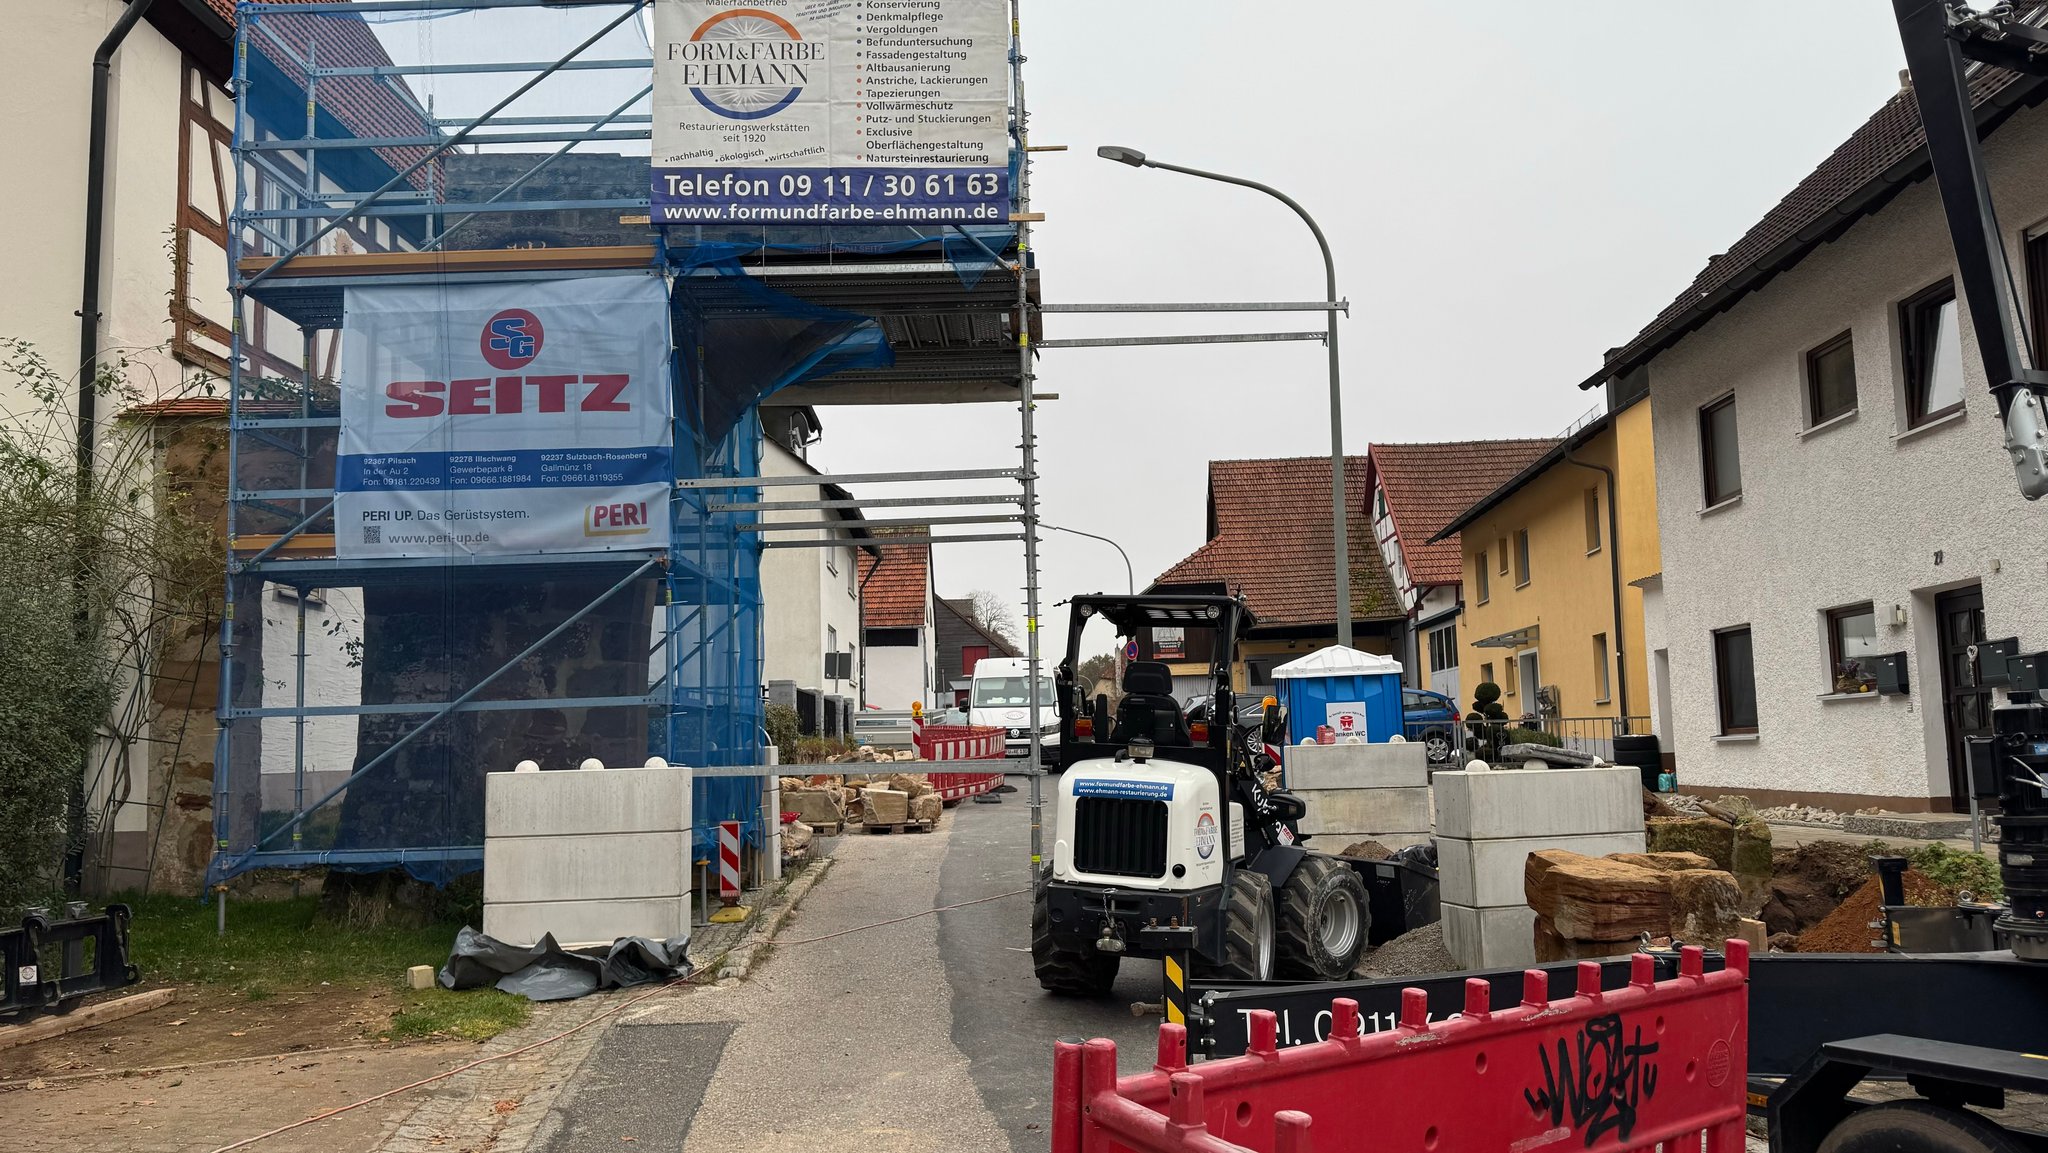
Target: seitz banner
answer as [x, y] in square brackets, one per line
[831, 111]
[504, 419]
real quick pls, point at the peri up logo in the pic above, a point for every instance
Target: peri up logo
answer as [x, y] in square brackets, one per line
[1205, 836]
[747, 64]
[511, 339]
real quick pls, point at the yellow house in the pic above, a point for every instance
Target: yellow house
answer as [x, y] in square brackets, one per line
[1550, 611]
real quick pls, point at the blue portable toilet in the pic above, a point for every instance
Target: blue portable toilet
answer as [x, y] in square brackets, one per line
[1353, 692]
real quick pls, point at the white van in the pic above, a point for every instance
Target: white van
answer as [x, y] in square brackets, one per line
[999, 697]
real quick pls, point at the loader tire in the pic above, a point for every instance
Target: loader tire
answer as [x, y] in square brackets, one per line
[1063, 969]
[1248, 932]
[1918, 1127]
[1324, 920]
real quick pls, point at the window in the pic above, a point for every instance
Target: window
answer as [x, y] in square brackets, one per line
[831, 639]
[1852, 643]
[1507, 687]
[1521, 557]
[1830, 381]
[1601, 688]
[1592, 521]
[832, 561]
[1503, 555]
[1718, 456]
[2037, 288]
[1735, 680]
[1485, 590]
[1933, 350]
[1486, 673]
[1443, 648]
[852, 588]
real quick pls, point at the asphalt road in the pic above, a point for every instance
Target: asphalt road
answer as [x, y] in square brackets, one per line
[1002, 1020]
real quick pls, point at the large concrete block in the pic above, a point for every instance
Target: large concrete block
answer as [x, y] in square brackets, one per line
[1498, 803]
[1490, 938]
[588, 922]
[1359, 766]
[586, 868]
[1481, 873]
[574, 804]
[1377, 811]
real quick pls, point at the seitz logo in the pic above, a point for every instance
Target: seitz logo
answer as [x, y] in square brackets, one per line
[511, 339]
[625, 519]
[483, 395]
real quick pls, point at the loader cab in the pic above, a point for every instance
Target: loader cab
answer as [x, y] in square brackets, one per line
[1167, 632]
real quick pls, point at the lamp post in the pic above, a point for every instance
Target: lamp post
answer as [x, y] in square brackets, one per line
[1340, 534]
[1130, 578]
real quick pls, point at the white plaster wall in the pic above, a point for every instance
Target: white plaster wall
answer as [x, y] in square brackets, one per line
[1854, 512]
[800, 594]
[49, 84]
[898, 675]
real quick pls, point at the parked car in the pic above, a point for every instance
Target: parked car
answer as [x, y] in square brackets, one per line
[1431, 718]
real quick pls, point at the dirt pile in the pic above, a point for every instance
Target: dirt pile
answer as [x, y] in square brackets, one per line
[1415, 953]
[1367, 851]
[1847, 929]
[1810, 881]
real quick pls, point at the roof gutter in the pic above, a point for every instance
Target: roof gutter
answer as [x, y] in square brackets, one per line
[95, 230]
[1614, 581]
[1864, 201]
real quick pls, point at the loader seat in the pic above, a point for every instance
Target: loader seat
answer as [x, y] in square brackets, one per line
[1148, 709]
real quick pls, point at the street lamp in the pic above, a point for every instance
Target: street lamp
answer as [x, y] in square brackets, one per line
[1130, 579]
[1340, 533]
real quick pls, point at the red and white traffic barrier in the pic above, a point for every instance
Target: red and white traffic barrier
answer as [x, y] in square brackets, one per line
[729, 862]
[961, 743]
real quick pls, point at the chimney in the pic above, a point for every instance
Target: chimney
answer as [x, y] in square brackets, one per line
[1905, 79]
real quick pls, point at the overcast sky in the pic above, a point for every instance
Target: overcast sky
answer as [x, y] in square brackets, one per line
[1510, 188]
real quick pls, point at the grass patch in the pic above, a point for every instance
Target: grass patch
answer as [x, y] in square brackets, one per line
[471, 1015]
[274, 946]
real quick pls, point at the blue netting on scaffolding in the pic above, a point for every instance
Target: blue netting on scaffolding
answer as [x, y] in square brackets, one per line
[737, 342]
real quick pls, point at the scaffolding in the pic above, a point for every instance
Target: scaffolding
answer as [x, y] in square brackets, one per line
[359, 166]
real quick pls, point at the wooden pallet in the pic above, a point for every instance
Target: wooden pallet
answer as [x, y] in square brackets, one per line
[903, 827]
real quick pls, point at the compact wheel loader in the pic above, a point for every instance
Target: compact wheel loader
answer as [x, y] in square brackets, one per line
[1163, 822]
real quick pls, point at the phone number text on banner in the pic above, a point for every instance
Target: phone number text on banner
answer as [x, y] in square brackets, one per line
[831, 110]
[504, 419]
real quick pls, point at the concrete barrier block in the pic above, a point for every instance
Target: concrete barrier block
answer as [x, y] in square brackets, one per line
[1360, 766]
[588, 922]
[1483, 873]
[1403, 810]
[561, 804]
[623, 867]
[1487, 805]
[1490, 938]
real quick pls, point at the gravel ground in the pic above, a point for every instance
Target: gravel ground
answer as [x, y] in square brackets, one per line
[1412, 954]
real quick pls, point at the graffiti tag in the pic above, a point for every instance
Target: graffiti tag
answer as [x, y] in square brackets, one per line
[1599, 1082]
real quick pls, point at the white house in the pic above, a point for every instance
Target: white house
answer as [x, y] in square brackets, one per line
[1831, 486]
[810, 597]
[902, 650]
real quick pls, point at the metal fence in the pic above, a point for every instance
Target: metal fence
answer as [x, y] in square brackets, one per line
[1485, 738]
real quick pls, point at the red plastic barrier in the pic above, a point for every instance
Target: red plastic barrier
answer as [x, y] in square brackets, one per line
[961, 743]
[1648, 1065]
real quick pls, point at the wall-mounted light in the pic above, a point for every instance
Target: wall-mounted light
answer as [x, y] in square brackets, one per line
[1898, 616]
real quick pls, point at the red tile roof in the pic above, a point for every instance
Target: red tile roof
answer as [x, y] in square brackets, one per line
[1269, 539]
[368, 106]
[896, 586]
[1428, 485]
[1884, 155]
[189, 407]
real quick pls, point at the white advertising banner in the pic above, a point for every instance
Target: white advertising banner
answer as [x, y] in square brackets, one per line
[504, 419]
[831, 111]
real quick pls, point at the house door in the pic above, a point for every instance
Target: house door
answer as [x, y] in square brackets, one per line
[1965, 709]
[1532, 682]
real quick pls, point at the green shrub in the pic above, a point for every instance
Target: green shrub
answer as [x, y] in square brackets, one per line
[1485, 694]
[1955, 869]
[784, 728]
[1524, 736]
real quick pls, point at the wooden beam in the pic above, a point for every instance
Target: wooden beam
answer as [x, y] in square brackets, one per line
[304, 544]
[459, 260]
[1026, 217]
[44, 1028]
